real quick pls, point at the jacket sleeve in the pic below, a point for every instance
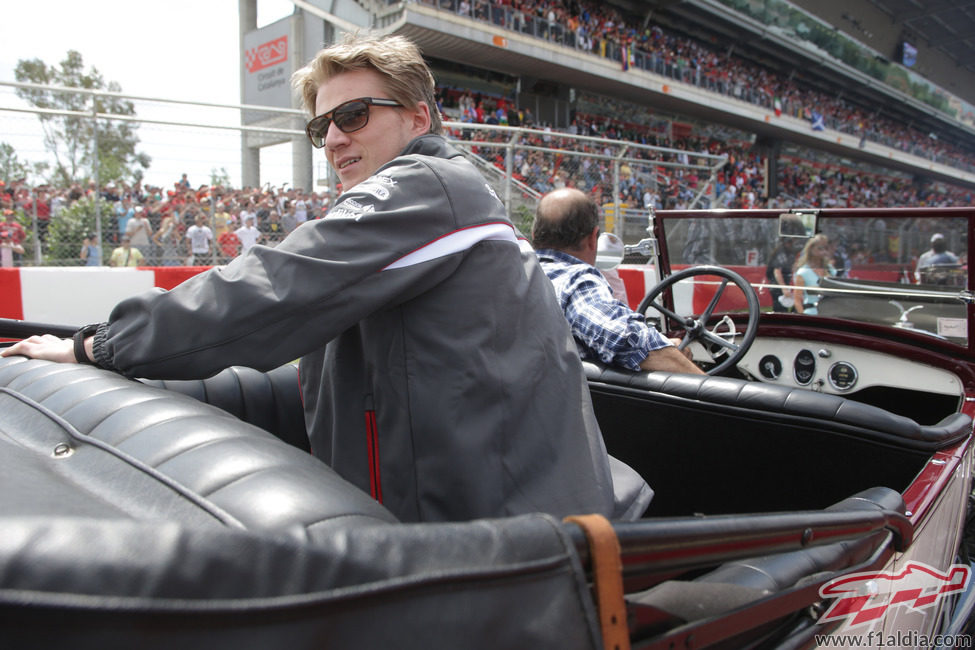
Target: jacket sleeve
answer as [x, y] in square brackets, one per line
[273, 305]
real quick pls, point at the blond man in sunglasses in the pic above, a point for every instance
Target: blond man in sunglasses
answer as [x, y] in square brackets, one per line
[438, 373]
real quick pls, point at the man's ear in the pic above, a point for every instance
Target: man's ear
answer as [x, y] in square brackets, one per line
[592, 240]
[420, 117]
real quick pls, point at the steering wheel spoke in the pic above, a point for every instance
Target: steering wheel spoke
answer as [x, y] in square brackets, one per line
[719, 339]
[706, 315]
[725, 337]
[668, 314]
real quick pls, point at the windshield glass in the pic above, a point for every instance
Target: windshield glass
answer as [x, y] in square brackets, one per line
[902, 271]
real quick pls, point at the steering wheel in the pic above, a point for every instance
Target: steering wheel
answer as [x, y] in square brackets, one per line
[719, 341]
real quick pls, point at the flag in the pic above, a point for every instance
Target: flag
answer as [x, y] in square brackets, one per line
[627, 56]
[777, 103]
[818, 121]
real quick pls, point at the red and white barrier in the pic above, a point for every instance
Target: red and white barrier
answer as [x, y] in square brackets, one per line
[638, 279]
[78, 295]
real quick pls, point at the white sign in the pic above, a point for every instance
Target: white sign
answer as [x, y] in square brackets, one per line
[955, 327]
[267, 59]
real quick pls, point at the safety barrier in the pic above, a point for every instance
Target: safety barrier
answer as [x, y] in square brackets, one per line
[81, 295]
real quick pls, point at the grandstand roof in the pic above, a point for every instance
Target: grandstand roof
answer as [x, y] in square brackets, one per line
[710, 19]
[947, 26]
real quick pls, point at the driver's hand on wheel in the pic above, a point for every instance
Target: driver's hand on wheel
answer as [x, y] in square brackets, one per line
[671, 359]
[46, 346]
[686, 351]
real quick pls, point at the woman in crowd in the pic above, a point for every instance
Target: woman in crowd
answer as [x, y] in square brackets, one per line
[91, 252]
[813, 265]
[168, 238]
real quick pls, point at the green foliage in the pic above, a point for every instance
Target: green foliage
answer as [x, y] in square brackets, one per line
[71, 138]
[219, 178]
[10, 166]
[67, 231]
[522, 217]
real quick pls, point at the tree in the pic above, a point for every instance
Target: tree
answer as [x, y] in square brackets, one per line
[71, 138]
[11, 168]
[219, 178]
[65, 233]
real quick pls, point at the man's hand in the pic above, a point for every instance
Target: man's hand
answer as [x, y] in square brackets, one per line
[686, 351]
[671, 360]
[47, 346]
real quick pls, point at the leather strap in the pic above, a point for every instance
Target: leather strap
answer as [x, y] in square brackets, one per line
[607, 572]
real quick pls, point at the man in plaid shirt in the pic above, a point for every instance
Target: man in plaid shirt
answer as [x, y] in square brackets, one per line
[564, 235]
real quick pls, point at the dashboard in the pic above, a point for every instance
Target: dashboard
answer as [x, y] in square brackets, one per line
[841, 369]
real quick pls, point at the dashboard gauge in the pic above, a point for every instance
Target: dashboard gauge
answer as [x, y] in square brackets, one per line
[842, 375]
[770, 366]
[804, 367]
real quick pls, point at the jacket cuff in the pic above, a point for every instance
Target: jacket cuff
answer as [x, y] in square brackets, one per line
[102, 359]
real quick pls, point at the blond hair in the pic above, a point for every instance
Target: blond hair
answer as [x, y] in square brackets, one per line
[407, 78]
[815, 240]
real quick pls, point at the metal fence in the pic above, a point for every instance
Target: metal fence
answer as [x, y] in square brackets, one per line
[55, 223]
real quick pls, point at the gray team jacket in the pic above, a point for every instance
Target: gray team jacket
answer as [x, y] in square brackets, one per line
[438, 373]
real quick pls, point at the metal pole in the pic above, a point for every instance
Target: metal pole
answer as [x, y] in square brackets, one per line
[213, 226]
[37, 239]
[618, 205]
[98, 184]
[509, 166]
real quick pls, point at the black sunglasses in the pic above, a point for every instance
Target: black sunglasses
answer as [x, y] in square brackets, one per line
[350, 116]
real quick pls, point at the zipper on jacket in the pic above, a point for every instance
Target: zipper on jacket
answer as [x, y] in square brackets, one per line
[372, 444]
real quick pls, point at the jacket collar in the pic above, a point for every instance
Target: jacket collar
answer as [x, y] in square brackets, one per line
[430, 144]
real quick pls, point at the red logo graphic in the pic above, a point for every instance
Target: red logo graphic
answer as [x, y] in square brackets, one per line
[865, 597]
[267, 54]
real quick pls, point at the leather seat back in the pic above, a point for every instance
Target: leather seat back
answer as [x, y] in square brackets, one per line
[269, 400]
[93, 442]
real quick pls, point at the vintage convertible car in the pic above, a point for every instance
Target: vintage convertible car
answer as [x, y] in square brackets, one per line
[817, 482]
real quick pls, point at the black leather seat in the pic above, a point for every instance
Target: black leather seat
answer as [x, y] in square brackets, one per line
[174, 456]
[269, 400]
[272, 401]
[134, 516]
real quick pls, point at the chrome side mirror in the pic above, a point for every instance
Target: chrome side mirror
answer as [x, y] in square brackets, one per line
[609, 251]
[797, 224]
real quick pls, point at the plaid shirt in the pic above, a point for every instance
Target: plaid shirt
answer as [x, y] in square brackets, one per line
[603, 327]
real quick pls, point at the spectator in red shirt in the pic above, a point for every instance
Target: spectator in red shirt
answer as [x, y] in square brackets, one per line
[229, 245]
[42, 207]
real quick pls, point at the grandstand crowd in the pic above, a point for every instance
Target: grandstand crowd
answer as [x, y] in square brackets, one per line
[602, 30]
[159, 222]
